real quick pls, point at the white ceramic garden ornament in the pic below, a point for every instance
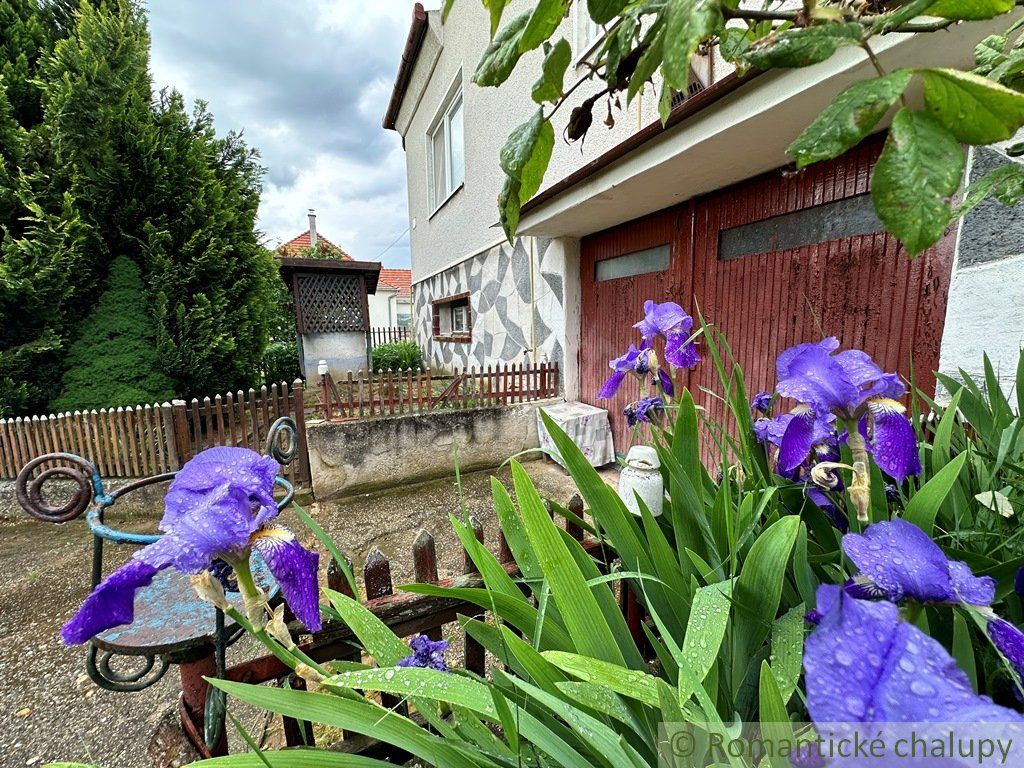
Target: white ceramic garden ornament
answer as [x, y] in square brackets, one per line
[642, 477]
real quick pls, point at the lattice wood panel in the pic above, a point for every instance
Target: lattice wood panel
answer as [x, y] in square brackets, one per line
[331, 303]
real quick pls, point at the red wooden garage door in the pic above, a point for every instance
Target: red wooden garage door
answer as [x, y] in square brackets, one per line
[772, 262]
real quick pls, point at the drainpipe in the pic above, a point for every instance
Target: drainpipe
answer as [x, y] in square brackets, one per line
[312, 228]
[533, 308]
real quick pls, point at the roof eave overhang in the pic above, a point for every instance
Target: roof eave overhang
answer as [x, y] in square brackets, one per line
[369, 269]
[739, 128]
[413, 44]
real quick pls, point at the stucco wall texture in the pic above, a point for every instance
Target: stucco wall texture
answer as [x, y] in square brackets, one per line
[360, 456]
[342, 351]
[467, 223]
[518, 307]
[985, 313]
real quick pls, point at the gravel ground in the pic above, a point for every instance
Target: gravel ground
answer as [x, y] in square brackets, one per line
[50, 710]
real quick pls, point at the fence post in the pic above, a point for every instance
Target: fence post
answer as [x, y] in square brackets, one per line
[475, 658]
[300, 423]
[179, 419]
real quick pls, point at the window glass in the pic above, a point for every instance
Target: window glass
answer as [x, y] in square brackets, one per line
[457, 150]
[452, 318]
[459, 319]
[850, 217]
[636, 263]
[588, 32]
[438, 175]
[446, 151]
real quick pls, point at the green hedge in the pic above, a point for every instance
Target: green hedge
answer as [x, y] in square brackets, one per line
[280, 362]
[398, 355]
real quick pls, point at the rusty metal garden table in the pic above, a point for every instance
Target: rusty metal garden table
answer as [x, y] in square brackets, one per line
[171, 625]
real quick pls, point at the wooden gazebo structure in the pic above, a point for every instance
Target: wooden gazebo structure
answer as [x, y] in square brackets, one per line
[332, 316]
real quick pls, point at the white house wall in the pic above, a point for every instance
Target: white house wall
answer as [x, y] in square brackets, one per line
[382, 309]
[459, 247]
[468, 222]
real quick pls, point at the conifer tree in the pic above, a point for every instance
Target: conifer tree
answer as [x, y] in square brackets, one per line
[113, 362]
[93, 166]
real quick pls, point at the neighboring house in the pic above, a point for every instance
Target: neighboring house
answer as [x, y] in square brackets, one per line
[311, 244]
[702, 210]
[391, 306]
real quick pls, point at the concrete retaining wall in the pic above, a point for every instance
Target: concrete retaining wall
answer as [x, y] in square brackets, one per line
[359, 456]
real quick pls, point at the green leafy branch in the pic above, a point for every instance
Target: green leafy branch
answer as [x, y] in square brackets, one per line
[921, 169]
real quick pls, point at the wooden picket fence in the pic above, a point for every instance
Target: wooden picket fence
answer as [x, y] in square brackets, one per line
[386, 335]
[147, 440]
[368, 394]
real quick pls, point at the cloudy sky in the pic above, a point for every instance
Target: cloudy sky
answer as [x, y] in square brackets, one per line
[308, 81]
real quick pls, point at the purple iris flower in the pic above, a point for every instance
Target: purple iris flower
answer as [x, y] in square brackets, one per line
[1010, 642]
[811, 438]
[823, 443]
[644, 410]
[824, 447]
[761, 403]
[835, 515]
[669, 321]
[640, 362]
[898, 560]
[850, 385]
[218, 508]
[902, 561]
[426, 653]
[636, 361]
[864, 664]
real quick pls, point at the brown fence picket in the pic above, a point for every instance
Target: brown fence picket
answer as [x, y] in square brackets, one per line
[147, 439]
[5, 459]
[391, 392]
[388, 335]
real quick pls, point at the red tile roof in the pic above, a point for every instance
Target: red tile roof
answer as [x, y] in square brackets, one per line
[299, 244]
[397, 278]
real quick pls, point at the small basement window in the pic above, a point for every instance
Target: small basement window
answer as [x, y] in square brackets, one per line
[637, 263]
[453, 318]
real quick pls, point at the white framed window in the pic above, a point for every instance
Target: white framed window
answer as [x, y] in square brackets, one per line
[446, 151]
[460, 318]
[588, 32]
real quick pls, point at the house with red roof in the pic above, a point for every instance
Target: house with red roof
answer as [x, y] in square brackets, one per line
[391, 305]
[311, 244]
[698, 204]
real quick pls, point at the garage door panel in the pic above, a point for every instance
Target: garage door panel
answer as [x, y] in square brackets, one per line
[611, 307]
[799, 260]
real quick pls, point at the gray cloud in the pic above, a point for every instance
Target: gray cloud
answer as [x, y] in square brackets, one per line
[308, 83]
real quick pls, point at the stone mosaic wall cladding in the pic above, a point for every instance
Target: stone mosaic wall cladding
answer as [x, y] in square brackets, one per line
[991, 231]
[985, 312]
[498, 281]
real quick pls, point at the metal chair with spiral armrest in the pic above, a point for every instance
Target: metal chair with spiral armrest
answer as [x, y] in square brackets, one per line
[171, 625]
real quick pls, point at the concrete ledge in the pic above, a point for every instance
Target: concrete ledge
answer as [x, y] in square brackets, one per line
[359, 456]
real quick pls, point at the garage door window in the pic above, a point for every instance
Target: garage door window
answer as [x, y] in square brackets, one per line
[635, 263]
